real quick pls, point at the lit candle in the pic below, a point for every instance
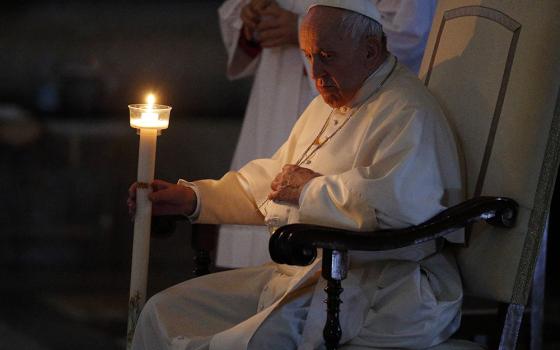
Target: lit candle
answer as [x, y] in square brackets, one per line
[149, 116]
[149, 119]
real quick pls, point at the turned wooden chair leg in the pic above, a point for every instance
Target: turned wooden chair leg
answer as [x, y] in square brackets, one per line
[334, 270]
[203, 240]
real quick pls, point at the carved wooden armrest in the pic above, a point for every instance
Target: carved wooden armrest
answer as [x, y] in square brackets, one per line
[297, 244]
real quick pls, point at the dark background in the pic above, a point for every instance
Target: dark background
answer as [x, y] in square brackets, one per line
[68, 70]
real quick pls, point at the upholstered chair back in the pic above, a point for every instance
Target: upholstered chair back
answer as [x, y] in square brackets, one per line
[495, 68]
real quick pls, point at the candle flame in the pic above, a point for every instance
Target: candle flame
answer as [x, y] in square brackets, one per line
[150, 99]
[149, 115]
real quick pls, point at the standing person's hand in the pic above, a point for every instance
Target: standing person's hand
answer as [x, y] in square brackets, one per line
[287, 185]
[167, 199]
[277, 27]
[251, 16]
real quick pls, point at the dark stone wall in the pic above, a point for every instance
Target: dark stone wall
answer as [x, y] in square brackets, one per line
[64, 198]
[88, 57]
[68, 70]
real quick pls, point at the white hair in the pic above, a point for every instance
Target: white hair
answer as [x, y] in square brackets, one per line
[359, 27]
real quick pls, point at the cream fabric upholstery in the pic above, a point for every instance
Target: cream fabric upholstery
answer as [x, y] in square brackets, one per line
[453, 344]
[456, 344]
[466, 67]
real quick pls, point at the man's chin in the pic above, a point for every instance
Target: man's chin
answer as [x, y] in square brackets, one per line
[331, 99]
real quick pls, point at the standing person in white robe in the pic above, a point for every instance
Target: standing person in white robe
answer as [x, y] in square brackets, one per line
[282, 89]
[373, 151]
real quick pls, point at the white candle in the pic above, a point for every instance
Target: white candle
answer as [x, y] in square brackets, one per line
[149, 120]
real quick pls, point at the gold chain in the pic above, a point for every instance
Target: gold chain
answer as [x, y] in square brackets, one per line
[306, 154]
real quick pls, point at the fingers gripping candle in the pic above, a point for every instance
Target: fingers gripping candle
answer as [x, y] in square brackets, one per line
[149, 119]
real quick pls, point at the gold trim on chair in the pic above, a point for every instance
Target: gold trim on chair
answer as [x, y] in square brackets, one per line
[510, 24]
[513, 26]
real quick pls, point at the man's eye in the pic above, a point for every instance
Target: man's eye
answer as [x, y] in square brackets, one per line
[325, 55]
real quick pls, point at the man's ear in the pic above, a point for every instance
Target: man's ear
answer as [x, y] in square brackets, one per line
[373, 52]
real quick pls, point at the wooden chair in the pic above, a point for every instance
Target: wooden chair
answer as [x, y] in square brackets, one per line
[494, 66]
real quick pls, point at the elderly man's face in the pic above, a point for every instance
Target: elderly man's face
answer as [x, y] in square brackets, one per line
[339, 65]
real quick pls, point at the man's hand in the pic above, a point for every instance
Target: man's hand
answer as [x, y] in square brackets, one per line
[277, 27]
[167, 199]
[287, 185]
[251, 16]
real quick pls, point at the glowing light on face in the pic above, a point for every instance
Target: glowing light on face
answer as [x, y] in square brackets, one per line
[337, 66]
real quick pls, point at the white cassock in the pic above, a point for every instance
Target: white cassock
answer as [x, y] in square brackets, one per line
[391, 162]
[281, 91]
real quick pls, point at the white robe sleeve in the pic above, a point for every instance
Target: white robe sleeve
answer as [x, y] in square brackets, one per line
[402, 186]
[239, 64]
[227, 201]
[407, 24]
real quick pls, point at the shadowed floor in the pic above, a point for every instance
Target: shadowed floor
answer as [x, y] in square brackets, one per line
[60, 320]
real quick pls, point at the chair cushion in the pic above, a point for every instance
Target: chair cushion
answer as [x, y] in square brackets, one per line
[457, 344]
[451, 344]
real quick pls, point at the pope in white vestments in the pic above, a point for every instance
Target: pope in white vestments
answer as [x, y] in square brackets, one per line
[373, 151]
[282, 89]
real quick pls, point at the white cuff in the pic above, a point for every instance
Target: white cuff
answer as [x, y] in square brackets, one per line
[194, 216]
[304, 191]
